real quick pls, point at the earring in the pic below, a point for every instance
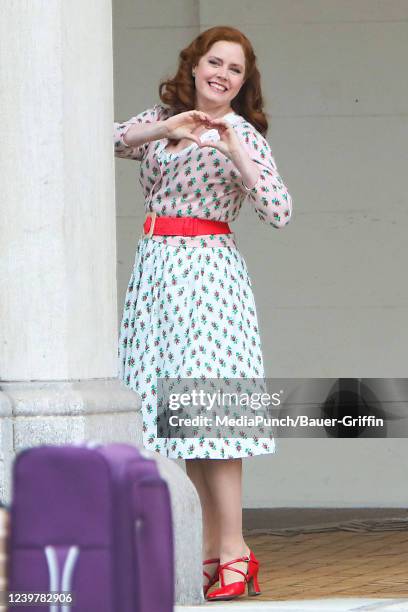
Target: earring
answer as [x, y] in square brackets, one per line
[193, 75]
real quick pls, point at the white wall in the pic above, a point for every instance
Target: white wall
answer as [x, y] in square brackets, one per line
[330, 290]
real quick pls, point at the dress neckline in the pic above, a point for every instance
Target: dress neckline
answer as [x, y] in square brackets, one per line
[229, 116]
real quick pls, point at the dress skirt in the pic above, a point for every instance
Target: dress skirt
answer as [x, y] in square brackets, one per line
[189, 313]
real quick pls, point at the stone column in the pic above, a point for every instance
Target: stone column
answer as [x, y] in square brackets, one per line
[58, 337]
[58, 343]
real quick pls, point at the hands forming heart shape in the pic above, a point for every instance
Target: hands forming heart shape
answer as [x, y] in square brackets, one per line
[185, 125]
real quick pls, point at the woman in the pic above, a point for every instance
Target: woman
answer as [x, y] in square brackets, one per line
[189, 309]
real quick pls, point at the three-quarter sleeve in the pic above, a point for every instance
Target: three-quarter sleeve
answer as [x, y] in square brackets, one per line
[269, 195]
[122, 149]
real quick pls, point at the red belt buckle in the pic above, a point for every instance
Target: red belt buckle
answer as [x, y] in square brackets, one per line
[153, 216]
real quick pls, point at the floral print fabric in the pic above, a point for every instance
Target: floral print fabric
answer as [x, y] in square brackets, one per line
[190, 312]
[189, 309]
[204, 183]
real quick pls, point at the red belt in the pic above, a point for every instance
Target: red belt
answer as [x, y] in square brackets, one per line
[182, 226]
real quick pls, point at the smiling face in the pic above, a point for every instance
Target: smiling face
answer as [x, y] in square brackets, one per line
[219, 76]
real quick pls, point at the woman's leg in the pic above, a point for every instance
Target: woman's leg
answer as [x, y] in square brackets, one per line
[211, 537]
[224, 481]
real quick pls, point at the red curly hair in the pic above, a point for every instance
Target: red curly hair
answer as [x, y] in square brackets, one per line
[179, 92]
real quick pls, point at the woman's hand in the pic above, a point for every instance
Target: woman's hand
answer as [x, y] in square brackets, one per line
[184, 124]
[228, 144]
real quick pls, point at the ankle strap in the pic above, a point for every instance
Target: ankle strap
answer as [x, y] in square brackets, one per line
[246, 558]
[211, 561]
[233, 569]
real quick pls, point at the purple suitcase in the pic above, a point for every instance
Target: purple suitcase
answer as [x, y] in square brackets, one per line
[93, 521]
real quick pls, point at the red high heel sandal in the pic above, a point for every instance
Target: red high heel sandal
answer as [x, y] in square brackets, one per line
[235, 589]
[211, 579]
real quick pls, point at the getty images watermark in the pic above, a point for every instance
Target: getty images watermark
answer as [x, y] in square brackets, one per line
[242, 408]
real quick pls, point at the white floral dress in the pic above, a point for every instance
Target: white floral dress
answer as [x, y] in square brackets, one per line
[189, 310]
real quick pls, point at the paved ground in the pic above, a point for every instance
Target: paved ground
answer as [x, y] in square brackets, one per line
[341, 570]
